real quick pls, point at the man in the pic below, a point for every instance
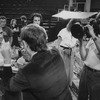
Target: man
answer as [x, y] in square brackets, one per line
[44, 78]
[7, 33]
[37, 19]
[89, 86]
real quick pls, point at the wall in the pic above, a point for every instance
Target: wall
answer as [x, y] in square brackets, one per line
[95, 5]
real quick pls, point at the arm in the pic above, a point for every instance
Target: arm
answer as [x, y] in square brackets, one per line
[10, 40]
[10, 34]
[59, 40]
[97, 42]
[15, 83]
[83, 50]
[70, 23]
[18, 82]
[94, 37]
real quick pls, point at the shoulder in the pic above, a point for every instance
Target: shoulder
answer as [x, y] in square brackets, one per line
[62, 31]
[6, 28]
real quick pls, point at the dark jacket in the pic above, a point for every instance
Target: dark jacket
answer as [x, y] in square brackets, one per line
[44, 78]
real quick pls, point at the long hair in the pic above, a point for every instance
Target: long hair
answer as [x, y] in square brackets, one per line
[11, 22]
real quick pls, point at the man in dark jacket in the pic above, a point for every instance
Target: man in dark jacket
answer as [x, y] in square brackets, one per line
[44, 77]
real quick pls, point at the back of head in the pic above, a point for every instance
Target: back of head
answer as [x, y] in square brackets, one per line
[34, 36]
[96, 24]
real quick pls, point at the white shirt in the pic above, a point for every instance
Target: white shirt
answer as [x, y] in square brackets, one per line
[67, 39]
[4, 46]
[92, 60]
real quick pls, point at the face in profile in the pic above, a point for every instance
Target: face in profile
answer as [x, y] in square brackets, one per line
[36, 20]
[2, 22]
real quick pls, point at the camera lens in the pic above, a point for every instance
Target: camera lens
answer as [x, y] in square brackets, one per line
[77, 31]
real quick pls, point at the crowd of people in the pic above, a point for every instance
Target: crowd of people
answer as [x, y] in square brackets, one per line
[45, 72]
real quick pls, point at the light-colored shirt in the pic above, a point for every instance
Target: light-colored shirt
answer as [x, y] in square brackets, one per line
[67, 39]
[92, 60]
[5, 46]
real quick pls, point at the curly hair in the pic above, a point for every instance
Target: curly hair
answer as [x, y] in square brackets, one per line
[34, 36]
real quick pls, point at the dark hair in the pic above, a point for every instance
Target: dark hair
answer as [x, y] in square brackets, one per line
[36, 15]
[95, 23]
[23, 20]
[23, 17]
[3, 17]
[34, 36]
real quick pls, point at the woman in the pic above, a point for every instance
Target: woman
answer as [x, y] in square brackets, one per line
[15, 29]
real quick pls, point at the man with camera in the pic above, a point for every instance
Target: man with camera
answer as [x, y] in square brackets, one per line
[89, 86]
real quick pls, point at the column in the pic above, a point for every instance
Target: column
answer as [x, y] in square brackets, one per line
[87, 5]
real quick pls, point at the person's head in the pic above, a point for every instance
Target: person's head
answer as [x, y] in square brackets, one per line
[23, 19]
[36, 18]
[2, 21]
[95, 23]
[33, 38]
[13, 22]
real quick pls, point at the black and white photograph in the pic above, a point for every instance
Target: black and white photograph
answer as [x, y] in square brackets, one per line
[50, 50]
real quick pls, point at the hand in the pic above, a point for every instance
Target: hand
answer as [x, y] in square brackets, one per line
[91, 30]
[26, 56]
[14, 54]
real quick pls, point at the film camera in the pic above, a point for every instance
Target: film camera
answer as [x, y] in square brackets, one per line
[79, 31]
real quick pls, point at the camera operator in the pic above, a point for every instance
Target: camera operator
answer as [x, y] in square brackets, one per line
[89, 86]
